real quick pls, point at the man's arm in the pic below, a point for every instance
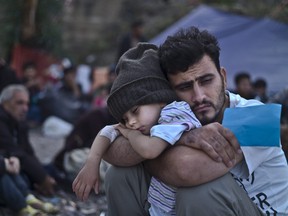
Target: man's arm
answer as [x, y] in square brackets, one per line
[148, 147]
[121, 153]
[183, 166]
[217, 142]
[191, 162]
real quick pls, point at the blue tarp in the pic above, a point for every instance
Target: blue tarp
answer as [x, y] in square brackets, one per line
[258, 46]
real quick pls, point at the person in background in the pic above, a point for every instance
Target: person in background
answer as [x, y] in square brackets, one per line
[102, 79]
[131, 39]
[260, 89]
[65, 101]
[69, 85]
[15, 193]
[34, 84]
[282, 98]
[243, 85]
[14, 105]
[31, 78]
[54, 72]
[7, 75]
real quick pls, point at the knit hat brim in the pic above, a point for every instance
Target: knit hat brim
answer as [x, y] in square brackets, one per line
[140, 81]
[147, 91]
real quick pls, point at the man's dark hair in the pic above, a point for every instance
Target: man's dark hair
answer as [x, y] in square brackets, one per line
[260, 83]
[187, 47]
[240, 76]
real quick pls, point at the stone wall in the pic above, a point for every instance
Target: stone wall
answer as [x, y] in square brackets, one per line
[93, 27]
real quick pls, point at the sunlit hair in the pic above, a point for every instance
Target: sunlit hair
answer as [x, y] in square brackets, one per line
[9, 91]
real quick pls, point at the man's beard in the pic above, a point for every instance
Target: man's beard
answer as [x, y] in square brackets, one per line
[217, 107]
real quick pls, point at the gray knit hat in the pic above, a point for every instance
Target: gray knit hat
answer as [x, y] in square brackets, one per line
[139, 81]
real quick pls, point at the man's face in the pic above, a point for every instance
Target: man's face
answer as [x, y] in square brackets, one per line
[18, 105]
[244, 88]
[203, 87]
[30, 73]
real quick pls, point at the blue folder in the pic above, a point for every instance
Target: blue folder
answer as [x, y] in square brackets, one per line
[255, 125]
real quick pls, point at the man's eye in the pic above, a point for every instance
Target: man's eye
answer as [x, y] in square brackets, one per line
[206, 81]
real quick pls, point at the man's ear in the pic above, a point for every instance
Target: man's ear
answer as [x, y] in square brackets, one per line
[223, 75]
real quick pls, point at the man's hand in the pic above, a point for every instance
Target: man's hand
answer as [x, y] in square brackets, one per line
[12, 165]
[217, 142]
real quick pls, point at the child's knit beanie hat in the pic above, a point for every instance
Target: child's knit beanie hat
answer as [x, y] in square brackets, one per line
[139, 81]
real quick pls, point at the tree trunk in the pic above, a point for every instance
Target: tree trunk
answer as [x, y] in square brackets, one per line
[29, 19]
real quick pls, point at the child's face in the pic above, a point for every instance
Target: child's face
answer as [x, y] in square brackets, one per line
[143, 117]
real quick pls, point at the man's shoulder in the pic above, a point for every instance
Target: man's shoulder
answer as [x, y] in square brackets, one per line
[6, 120]
[237, 101]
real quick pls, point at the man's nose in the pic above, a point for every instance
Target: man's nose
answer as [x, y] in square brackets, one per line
[198, 94]
[26, 107]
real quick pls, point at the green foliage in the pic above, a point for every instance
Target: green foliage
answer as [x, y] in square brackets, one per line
[10, 16]
[48, 25]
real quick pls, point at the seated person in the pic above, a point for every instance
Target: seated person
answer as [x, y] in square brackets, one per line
[14, 102]
[34, 84]
[14, 191]
[66, 100]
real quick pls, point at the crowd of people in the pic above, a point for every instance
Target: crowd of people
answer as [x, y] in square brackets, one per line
[248, 89]
[163, 167]
[64, 91]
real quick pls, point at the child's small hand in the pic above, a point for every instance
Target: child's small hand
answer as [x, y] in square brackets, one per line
[87, 178]
[123, 130]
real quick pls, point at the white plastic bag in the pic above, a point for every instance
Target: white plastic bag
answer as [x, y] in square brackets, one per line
[56, 127]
